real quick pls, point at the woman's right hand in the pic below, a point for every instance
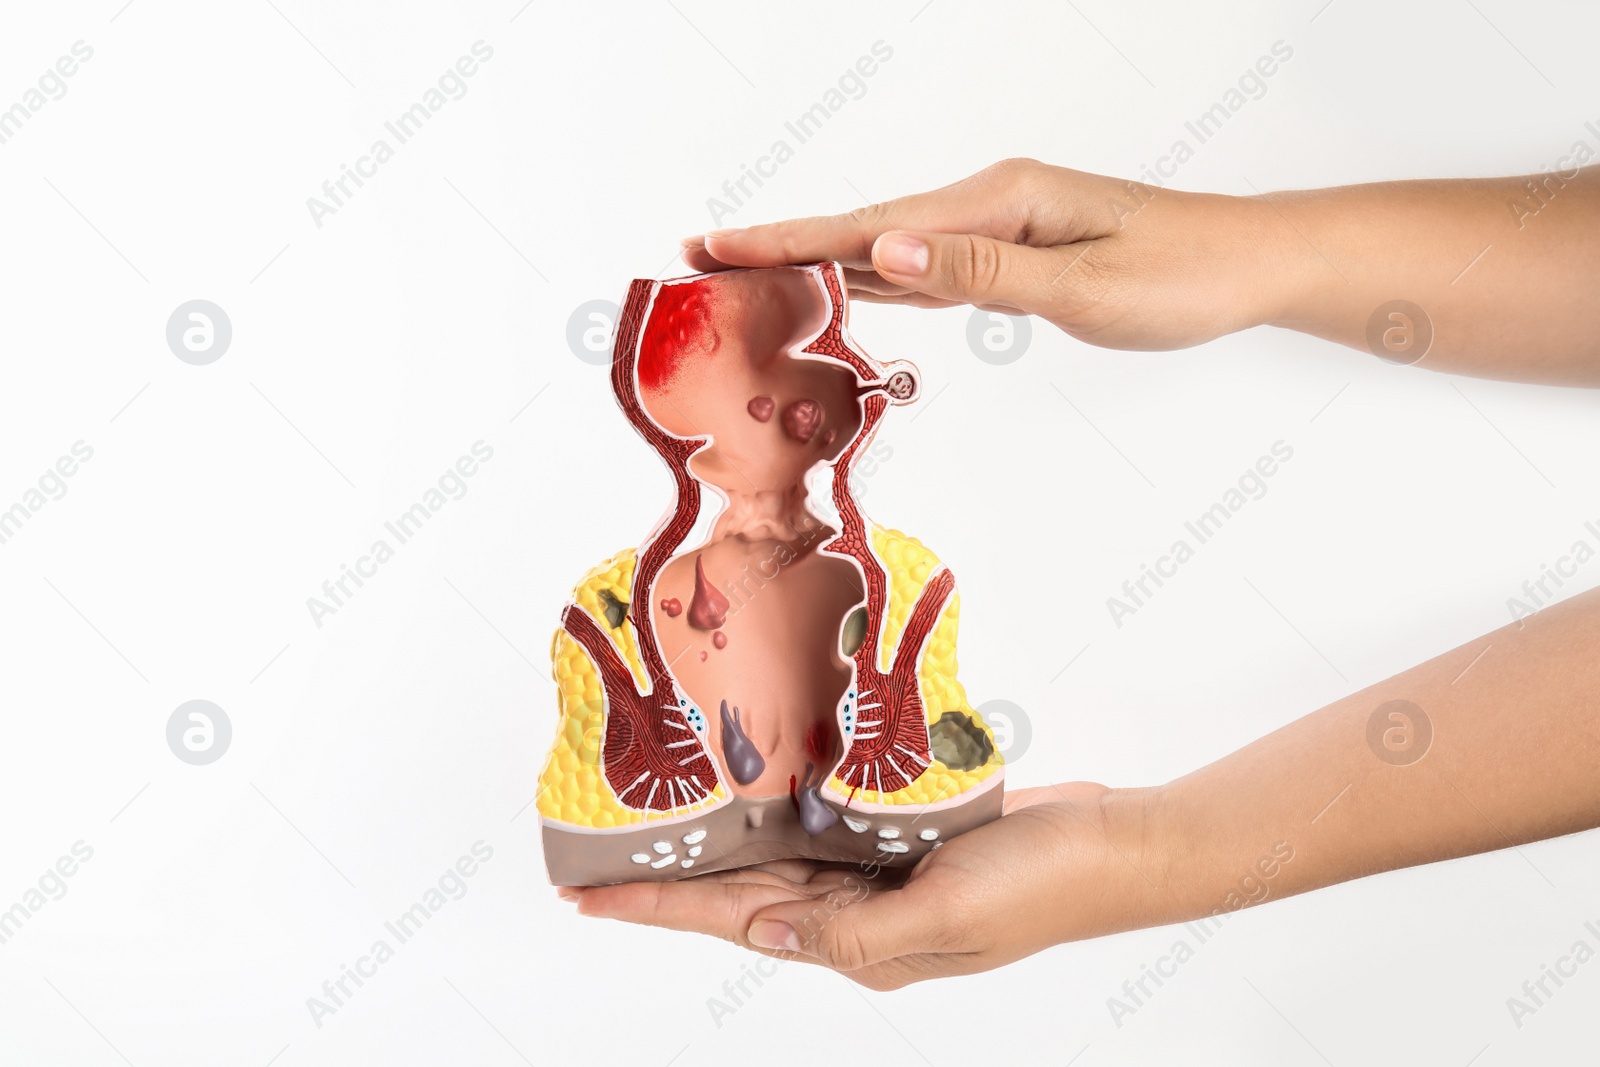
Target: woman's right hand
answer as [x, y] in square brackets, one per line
[1437, 272]
[1113, 263]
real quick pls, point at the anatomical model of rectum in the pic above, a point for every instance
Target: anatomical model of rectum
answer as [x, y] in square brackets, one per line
[758, 680]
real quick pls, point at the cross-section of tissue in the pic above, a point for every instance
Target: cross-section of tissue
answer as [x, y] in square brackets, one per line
[769, 674]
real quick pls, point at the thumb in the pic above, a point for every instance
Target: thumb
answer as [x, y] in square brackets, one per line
[847, 932]
[968, 268]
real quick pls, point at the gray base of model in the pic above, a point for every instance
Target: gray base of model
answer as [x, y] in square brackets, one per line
[755, 830]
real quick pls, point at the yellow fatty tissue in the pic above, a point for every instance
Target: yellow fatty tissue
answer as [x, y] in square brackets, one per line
[572, 787]
[909, 563]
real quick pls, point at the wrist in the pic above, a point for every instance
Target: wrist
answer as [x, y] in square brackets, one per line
[1139, 859]
[1279, 277]
[1221, 858]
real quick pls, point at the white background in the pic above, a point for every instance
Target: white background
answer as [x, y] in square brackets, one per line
[431, 312]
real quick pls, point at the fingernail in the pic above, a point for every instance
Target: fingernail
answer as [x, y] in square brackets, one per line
[696, 241]
[765, 933]
[722, 233]
[568, 893]
[901, 254]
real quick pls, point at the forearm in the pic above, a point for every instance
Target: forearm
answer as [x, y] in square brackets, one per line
[1506, 270]
[1515, 742]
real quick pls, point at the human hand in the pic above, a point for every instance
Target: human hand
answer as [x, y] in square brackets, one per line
[1077, 861]
[1121, 264]
[1064, 862]
[1114, 263]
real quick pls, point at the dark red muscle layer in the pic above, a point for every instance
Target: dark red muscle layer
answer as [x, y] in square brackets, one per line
[889, 746]
[653, 758]
[676, 452]
[638, 749]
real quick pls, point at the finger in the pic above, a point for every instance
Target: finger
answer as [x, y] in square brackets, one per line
[851, 928]
[869, 286]
[864, 285]
[717, 907]
[902, 971]
[703, 262]
[694, 904]
[845, 238]
[792, 872]
[856, 281]
[869, 281]
[848, 238]
[974, 269]
[916, 300]
[1017, 799]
